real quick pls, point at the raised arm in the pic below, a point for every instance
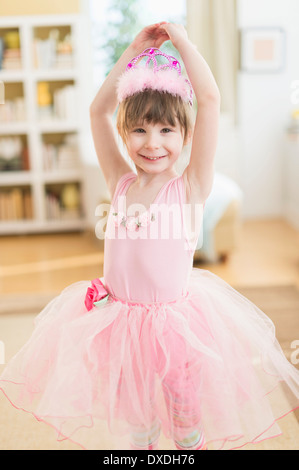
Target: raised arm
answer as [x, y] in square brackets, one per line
[111, 161]
[102, 108]
[200, 171]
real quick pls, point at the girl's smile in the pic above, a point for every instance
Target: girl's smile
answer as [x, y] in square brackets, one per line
[153, 158]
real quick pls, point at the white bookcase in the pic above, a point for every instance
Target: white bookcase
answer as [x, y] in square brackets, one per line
[42, 124]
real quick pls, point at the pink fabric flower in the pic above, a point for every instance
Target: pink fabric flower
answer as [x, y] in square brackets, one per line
[144, 219]
[95, 293]
[118, 218]
[131, 224]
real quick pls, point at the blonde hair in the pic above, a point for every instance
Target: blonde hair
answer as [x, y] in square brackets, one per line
[154, 107]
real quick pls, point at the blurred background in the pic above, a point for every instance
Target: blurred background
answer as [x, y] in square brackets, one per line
[53, 58]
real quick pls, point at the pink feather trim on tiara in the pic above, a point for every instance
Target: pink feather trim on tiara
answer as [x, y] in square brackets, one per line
[164, 78]
[138, 80]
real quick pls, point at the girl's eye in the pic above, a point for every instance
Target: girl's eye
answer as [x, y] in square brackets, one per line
[166, 130]
[139, 130]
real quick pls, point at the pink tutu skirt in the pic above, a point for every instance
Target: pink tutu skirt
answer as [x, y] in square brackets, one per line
[208, 360]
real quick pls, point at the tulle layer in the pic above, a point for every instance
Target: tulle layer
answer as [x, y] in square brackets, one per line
[207, 361]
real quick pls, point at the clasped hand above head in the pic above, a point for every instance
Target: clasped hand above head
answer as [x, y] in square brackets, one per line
[156, 34]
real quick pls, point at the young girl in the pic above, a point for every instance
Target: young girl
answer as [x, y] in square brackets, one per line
[155, 344]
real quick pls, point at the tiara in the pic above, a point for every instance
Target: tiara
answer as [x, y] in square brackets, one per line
[165, 77]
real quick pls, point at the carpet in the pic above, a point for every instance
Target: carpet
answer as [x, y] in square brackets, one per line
[281, 305]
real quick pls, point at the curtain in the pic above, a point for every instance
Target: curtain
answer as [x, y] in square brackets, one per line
[212, 27]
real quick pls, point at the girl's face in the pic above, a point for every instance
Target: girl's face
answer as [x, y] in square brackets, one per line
[155, 148]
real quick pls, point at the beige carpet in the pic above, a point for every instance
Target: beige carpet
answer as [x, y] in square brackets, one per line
[19, 430]
[281, 304]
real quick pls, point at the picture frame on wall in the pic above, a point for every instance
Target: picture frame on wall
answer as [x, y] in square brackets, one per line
[262, 50]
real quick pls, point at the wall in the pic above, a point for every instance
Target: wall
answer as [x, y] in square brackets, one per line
[38, 7]
[211, 25]
[264, 106]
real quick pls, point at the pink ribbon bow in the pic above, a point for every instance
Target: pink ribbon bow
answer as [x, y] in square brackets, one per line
[95, 294]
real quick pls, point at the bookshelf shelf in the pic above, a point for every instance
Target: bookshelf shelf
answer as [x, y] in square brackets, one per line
[61, 176]
[12, 75]
[13, 178]
[56, 126]
[41, 179]
[58, 75]
[14, 128]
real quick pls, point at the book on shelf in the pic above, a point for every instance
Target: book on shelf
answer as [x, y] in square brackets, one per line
[10, 51]
[44, 53]
[11, 59]
[63, 203]
[56, 211]
[52, 52]
[15, 204]
[1, 51]
[13, 110]
[64, 102]
[64, 156]
[60, 105]
[46, 56]
[64, 61]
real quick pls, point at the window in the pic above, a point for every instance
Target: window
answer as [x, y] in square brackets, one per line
[105, 13]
